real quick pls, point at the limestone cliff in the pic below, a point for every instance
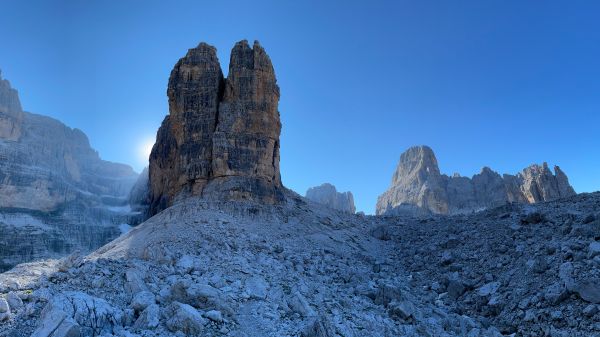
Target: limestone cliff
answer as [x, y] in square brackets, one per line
[11, 114]
[56, 194]
[328, 195]
[418, 183]
[221, 137]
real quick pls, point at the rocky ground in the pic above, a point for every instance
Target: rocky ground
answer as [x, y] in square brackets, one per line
[301, 269]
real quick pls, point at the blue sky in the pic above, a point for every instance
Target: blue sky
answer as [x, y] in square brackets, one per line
[484, 83]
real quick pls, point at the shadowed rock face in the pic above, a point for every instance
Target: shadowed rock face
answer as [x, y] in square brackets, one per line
[328, 195]
[418, 182]
[221, 137]
[11, 114]
[56, 194]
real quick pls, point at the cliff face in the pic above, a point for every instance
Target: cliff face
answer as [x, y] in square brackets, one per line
[328, 195]
[418, 183]
[11, 114]
[56, 194]
[221, 137]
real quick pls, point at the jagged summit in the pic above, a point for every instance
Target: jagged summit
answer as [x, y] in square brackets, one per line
[328, 195]
[221, 137]
[417, 182]
[11, 112]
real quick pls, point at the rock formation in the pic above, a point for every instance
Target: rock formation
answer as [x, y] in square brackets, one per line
[418, 183]
[327, 195]
[221, 137]
[11, 114]
[56, 194]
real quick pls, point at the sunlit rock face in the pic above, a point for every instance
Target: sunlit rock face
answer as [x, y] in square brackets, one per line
[56, 194]
[328, 195]
[418, 183]
[221, 137]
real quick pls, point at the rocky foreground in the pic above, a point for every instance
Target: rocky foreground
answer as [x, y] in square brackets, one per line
[242, 269]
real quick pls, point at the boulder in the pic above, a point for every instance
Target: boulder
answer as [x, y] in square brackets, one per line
[589, 290]
[142, 300]
[14, 301]
[56, 323]
[184, 318]
[149, 318]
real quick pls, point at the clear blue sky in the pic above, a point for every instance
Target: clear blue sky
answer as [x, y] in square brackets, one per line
[497, 83]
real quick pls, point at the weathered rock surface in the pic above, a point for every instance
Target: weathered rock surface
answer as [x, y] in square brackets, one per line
[418, 183]
[300, 268]
[139, 196]
[221, 137]
[56, 194]
[328, 195]
[11, 113]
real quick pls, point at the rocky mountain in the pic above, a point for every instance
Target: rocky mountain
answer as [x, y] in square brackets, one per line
[221, 137]
[56, 194]
[221, 263]
[328, 195]
[418, 186]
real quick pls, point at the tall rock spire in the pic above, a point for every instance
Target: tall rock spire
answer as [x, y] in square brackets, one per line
[221, 138]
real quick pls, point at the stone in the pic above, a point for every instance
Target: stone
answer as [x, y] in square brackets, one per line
[298, 304]
[556, 293]
[403, 310]
[589, 218]
[590, 310]
[538, 265]
[214, 315]
[328, 195]
[488, 289]
[93, 315]
[386, 294]
[565, 273]
[14, 301]
[134, 281]
[56, 323]
[185, 263]
[221, 137]
[4, 307]
[149, 318]
[532, 218]
[142, 300]
[319, 327]
[202, 296]
[184, 318]
[455, 288]
[593, 249]
[589, 290]
[418, 183]
[257, 287]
